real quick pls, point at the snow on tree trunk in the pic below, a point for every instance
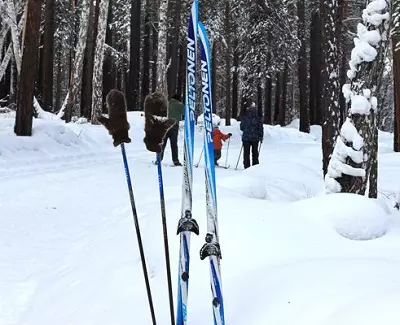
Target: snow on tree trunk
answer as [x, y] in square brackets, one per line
[97, 96]
[15, 31]
[354, 160]
[162, 49]
[6, 61]
[77, 67]
[331, 89]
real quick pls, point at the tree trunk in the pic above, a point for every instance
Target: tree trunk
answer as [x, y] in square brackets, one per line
[134, 62]
[302, 66]
[154, 47]
[162, 84]
[23, 120]
[395, 32]
[173, 69]
[235, 78]
[182, 70]
[146, 55]
[314, 67]
[214, 76]
[282, 110]
[75, 87]
[48, 55]
[97, 98]
[228, 96]
[360, 156]
[277, 97]
[268, 101]
[331, 87]
[86, 101]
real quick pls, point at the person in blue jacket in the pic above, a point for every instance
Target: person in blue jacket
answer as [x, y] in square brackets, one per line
[253, 132]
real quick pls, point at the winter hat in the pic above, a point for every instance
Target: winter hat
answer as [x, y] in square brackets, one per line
[156, 122]
[116, 123]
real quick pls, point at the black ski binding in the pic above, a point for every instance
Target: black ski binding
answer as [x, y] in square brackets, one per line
[187, 223]
[210, 249]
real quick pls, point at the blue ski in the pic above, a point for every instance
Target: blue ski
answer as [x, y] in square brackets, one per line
[187, 224]
[211, 248]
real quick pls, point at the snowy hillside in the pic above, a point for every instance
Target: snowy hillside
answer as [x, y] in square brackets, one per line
[290, 254]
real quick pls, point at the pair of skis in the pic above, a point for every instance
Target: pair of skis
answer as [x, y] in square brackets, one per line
[187, 224]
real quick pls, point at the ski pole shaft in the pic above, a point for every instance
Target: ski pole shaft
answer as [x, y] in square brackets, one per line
[227, 151]
[139, 237]
[166, 246]
[201, 154]
[240, 153]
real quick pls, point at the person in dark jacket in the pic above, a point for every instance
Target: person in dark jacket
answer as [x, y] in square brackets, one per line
[176, 111]
[253, 132]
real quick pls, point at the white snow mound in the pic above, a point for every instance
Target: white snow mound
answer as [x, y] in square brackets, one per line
[352, 216]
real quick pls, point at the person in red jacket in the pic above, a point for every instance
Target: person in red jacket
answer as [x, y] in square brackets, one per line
[218, 137]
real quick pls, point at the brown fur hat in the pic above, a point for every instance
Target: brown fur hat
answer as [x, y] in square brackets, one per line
[156, 124]
[116, 123]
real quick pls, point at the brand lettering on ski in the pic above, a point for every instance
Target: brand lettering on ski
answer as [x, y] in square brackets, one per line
[191, 59]
[206, 100]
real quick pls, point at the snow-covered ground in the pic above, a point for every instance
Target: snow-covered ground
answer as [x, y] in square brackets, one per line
[291, 255]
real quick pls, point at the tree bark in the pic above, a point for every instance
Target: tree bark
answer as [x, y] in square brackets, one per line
[134, 62]
[48, 55]
[77, 72]
[173, 68]
[268, 101]
[146, 55]
[24, 116]
[277, 97]
[162, 84]
[214, 76]
[235, 78]
[97, 98]
[282, 110]
[86, 101]
[302, 72]
[228, 96]
[395, 32]
[331, 87]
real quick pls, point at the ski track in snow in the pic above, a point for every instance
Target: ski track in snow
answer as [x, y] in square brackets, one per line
[68, 249]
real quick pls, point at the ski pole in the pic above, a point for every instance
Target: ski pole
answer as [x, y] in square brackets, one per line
[227, 151]
[166, 248]
[139, 237]
[240, 153]
[201, 154]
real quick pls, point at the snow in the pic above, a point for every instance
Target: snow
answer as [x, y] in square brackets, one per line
[291, 254]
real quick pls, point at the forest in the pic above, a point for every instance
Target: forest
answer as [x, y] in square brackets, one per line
[304, 59]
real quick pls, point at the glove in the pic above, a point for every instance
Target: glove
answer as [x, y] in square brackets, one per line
[229, 134]
[116, 124]
[155, 126]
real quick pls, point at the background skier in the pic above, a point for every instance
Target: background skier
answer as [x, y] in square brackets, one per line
[218, 137]
[175, 111]
[253, 132]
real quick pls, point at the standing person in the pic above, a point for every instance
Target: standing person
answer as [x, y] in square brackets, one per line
[253, 132]
[218, 137]
[176, 111]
